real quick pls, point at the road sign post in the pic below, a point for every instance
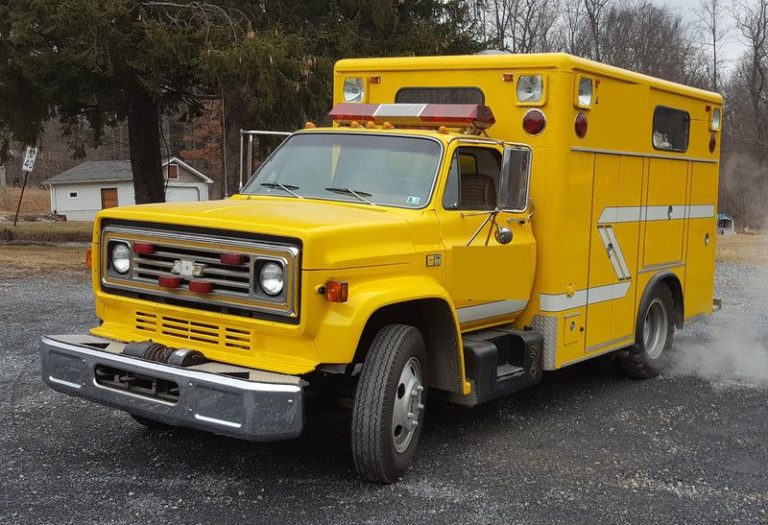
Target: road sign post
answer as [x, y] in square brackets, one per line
[27, 166]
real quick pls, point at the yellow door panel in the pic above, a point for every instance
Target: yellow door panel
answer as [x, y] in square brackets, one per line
[470, 269]
[602, 260]
[665, 212]
[700, 261]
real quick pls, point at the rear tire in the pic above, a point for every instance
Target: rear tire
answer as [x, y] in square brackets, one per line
[655, 330]
[388, 411]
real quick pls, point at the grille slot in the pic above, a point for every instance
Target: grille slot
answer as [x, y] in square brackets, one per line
[193, 331]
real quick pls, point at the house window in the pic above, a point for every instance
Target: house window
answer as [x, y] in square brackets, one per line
[670, 129]
[173, 171]
[72, 195]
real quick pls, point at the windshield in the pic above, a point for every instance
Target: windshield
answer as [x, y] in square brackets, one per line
[370, 169]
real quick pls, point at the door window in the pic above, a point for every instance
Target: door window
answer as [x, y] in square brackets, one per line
[473, 179]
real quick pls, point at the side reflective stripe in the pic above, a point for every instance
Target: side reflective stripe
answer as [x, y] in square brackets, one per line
[597, 294]
[488, 310]
[618, 214]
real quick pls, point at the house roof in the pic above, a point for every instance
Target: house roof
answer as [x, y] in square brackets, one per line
[112, 171]
[721, 216]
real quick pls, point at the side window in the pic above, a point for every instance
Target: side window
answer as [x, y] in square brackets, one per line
[670, 129]
[473, 179]
[516, 177]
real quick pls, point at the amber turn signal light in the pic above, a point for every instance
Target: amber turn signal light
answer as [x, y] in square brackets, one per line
[336, 291]
[89, 258]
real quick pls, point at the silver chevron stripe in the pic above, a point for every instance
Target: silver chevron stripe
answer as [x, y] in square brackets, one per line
[488, 310]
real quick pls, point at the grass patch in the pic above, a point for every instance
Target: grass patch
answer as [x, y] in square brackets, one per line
[27, 260]
[743, 248]
[36, 201]
[47, 231]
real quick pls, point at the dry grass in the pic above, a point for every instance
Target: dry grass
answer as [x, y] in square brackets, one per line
[36, 201]
[47, 231]
[743, 248]
[27, 260]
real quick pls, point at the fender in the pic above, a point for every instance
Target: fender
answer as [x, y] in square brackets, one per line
[677, 292]
[340, 331]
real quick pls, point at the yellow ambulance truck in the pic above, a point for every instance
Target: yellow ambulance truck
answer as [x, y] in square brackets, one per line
[465, 224]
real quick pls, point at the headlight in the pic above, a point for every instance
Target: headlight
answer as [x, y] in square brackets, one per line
[530, 88]
[271, 278]
[121, 257]
[354, 89]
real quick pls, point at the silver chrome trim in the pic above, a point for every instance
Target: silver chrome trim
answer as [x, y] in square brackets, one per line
[286, 303]
[621, 214]
[232, 406]
[469, 314]
[638, 154]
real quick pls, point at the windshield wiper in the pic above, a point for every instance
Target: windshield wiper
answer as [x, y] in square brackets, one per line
[285, 187]
[361, 195]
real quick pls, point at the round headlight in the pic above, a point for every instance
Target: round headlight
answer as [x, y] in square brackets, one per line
[271, 278]
[354, 89]
[121, 258]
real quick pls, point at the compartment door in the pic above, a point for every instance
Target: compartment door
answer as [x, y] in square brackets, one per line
[700, 257]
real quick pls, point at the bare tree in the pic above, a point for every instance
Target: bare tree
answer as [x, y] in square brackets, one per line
[521, 26]
[752, 22]
[594, 11]
[710, 19]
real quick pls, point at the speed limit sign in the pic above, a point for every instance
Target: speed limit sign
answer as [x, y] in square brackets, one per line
[29, 159]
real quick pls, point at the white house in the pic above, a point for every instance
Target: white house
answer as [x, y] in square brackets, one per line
[80, 192]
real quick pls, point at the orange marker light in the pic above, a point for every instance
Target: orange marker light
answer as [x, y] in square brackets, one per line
[336, 291]
[89, 258]
[374, 79]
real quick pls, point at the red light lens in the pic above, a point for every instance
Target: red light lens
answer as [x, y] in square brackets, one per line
[168, 281]
[580, 126]
[200, 286]
[357, 112]
[336, 291]
[534, 122]
[712, 142]
[232, 259]
[143, 248]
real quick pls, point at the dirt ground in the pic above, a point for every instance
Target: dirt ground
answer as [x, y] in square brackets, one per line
[31, 260]
[743, 248]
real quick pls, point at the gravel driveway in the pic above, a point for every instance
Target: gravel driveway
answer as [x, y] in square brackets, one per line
[585, 446]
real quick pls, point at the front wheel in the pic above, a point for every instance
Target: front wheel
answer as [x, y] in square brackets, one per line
[388, 412]
[655, 330]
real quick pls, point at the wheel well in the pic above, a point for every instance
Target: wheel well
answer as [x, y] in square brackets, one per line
[433, 318]
[673, 283]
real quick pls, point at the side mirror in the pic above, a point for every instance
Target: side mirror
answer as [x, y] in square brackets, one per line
[503, 235]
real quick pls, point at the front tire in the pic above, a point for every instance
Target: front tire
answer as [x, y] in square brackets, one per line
[388, 411]
[653, 343]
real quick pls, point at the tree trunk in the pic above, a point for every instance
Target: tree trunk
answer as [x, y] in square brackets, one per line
[144, 143]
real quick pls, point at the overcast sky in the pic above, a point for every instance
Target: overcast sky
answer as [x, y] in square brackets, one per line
[731, 47]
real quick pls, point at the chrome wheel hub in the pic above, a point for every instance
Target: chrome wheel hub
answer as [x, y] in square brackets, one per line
[655, 328]
[408, 405]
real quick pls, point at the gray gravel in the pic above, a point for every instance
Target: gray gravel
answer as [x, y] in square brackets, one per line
[585, 446]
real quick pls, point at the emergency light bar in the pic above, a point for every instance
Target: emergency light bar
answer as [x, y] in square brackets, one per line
[422, 115]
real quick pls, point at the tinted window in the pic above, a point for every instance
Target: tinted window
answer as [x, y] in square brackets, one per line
[458, 95]
[670, 129]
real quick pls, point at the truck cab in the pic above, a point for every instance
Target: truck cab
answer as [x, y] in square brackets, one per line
[422, 244]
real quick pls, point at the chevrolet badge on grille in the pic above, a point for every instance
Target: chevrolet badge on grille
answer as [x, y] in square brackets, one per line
[187, 269]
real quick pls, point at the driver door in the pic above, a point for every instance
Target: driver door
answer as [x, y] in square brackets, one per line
[485, 225]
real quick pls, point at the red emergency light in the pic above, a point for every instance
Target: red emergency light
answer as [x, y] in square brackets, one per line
[416, 115]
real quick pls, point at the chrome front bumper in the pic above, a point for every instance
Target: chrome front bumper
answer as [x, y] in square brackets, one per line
[232, 406]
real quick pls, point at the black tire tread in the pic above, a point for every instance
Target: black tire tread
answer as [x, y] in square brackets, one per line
[367, 444]
[634, 361]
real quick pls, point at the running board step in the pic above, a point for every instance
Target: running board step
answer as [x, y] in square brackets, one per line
[499, 362]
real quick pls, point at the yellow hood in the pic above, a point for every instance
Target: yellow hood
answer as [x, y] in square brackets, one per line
[334, 235]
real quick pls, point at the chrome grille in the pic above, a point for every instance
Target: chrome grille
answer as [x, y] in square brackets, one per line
[194, 259]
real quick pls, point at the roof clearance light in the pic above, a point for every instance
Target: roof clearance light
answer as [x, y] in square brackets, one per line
[354, 89]
[585, 91]
[534, 122]
[416, 115]
[716, 115]
[530, 88]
